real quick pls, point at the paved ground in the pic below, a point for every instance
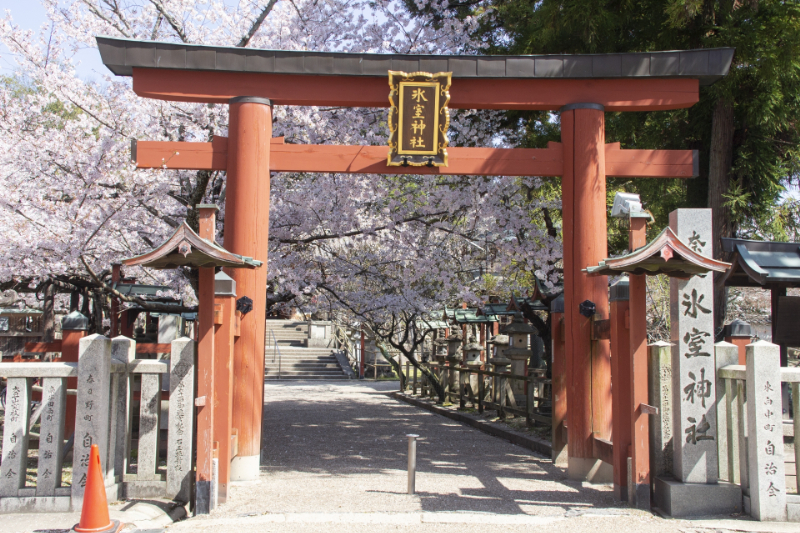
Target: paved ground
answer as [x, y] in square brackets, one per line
[335, 457]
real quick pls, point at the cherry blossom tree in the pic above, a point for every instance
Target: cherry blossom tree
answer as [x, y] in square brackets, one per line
[73, 203]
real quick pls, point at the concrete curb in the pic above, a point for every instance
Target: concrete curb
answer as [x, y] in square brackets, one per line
[137, 517]
[497, 430]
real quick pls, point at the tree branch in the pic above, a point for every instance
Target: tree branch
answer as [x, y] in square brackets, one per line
[257, 24]
[171, 20]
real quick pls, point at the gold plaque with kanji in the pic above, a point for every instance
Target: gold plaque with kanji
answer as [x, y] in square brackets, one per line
[418, 118]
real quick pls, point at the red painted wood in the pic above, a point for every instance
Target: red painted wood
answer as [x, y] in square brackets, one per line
[70, 346]
[247, 233]
[584, 214]
[115, 278]
[648, 163]
[361, 361]
[372, 160]
[643, 94]
[640, 422]
[153, 348]
[559, 383]
[591, 246]
[43, 347]
[205, 355]
[739, 342]
[577, 385]
[223, 390]
[621, 400]
[205, 372]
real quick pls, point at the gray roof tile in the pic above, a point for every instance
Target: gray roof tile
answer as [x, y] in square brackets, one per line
[122, 55]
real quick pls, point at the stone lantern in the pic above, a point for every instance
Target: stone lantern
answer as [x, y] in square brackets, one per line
[498, 359]
[454, 356]
[472, 358]
[472, 352]
[454, 346]
[499, 362]
[440, 350]
[518, 333]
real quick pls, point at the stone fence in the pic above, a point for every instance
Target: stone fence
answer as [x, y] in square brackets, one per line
[44, 472]
[752, 430]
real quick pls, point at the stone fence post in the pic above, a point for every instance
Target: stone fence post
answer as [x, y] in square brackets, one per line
[92, 424]
[181, 419]
[765, 452]
[123, 351]
[725, 354]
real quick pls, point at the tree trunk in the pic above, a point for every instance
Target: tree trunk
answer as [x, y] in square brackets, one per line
[48, 314]
[719, 180]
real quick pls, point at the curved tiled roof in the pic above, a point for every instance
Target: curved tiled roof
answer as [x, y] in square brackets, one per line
[122, 55]
[762, 263]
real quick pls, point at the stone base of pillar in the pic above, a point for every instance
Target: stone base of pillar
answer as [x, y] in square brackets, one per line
[591, 470]
[560, 458]
[681, 500]
[245, 468]
[203, 498]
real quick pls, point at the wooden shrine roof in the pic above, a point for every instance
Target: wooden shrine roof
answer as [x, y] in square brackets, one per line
[762, 263]
[187, 248]
[666, 254]
[121, 56]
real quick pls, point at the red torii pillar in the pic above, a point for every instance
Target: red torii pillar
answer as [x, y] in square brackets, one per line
[247, 234]
[588, 368]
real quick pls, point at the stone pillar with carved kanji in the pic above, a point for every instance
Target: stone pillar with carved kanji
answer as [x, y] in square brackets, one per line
[692, 335]
[695, 489]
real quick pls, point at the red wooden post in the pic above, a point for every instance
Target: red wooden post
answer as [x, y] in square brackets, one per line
[361, 360]
[621, 384]
[225, 304]
[247, 234]
[640, 430]
[740, 334]
[588, 366]
[74, 327]
[559, 381]
[205, 369]
[115, 278]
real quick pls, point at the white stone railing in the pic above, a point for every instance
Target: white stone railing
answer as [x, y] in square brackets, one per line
[751, 450]
[106, 372]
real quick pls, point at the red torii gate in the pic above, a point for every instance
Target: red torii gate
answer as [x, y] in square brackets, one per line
[581, 87]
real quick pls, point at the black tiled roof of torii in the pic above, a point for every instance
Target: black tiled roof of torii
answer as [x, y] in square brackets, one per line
[122, 55]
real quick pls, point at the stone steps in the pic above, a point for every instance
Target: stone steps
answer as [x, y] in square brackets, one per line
[296, 361]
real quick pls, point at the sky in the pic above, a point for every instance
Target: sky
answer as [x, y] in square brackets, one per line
[30, 15]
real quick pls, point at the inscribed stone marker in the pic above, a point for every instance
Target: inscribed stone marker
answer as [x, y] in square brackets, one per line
[93, 409]
[51, 437]
[181, 416]
[149, 408]
[765, 432]
[693, 371]
[15, 436]
[660, 396]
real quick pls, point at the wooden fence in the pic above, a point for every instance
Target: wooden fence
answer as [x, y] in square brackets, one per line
[470, 386]
[46, 470]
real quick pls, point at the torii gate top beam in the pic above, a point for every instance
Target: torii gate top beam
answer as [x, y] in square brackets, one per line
[646, 81]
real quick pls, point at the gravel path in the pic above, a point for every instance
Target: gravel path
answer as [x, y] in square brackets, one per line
[334, 456]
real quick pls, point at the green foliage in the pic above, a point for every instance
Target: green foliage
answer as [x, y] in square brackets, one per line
[763, 84]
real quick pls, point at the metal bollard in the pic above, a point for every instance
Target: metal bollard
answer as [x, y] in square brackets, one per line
[412, 462]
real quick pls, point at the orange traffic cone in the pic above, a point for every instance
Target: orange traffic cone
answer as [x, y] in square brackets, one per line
[94, 514]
